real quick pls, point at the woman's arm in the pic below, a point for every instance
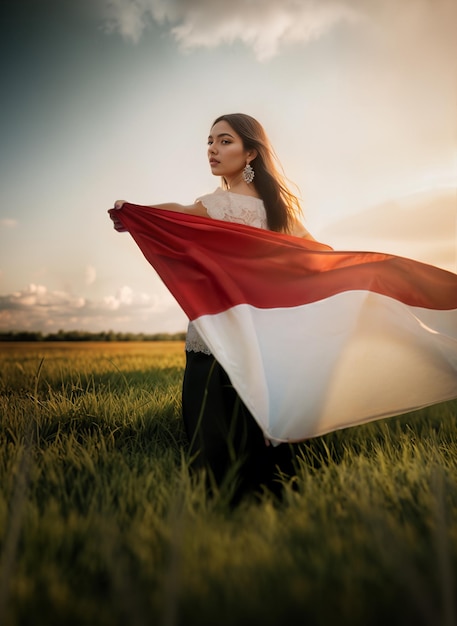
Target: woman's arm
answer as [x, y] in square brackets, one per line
[192, 209]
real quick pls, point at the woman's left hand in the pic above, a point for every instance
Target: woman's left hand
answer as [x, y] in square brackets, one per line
[118, 225]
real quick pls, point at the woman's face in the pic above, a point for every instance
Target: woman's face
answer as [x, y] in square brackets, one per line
[226, 153]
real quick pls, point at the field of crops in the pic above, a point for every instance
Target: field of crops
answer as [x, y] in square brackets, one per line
[101, 524]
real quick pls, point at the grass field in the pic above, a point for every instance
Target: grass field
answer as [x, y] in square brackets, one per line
[100, 524]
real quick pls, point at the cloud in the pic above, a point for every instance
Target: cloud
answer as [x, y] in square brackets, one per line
[263, 25]
[127, 17]
[124, 296]
[266, 25]
[35, 308]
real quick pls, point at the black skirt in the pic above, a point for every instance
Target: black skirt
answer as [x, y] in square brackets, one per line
[224, 438]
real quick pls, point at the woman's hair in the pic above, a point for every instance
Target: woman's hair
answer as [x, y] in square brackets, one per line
[281, 205]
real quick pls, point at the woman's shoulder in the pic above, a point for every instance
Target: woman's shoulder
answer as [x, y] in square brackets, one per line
[232, 207]
[217, 195]
[228, 197]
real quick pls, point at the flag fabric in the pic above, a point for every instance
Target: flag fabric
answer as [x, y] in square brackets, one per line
[312, 339]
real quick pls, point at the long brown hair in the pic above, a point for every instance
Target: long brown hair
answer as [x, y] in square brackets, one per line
[281, 205]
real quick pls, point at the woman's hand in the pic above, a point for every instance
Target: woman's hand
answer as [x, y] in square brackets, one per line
[118, 225]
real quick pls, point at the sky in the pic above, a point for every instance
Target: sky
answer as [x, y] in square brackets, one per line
[114, 99]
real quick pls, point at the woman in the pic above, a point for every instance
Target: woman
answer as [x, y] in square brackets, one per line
[224, 437]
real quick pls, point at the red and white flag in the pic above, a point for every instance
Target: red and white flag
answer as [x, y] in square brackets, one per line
[312, 339]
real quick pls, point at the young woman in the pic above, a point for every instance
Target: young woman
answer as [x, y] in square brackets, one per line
[224, 437]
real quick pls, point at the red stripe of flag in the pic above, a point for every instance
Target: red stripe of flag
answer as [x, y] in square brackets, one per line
[210, 265]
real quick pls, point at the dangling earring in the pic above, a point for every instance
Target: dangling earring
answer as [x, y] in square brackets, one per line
[248, 174]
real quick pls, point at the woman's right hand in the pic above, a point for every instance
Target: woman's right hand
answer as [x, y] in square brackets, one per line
[118, 225]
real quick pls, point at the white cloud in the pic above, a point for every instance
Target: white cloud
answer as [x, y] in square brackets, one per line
[263, 25]
[38, 296]
[124, 296]
[267, 25]
[35, 308]
[127, 17]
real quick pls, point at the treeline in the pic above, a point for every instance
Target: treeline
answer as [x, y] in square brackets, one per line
[79, 335]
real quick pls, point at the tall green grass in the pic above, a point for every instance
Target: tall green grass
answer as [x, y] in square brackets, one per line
[100, 523]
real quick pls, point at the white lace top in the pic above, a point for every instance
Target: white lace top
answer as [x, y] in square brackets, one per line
[229, 207]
